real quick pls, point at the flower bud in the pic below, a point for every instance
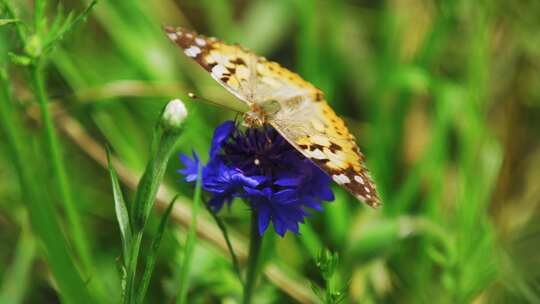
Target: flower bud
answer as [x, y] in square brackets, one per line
[174, 114]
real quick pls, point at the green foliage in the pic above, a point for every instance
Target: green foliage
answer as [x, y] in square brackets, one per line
[443, 97]
[43, 217]
[121, 210]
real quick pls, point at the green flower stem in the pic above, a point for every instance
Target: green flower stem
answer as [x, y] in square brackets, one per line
[223, 228]
[253, 258]
[129, 296]
[162, 147]
[162, 150]
[190, 242]
[59, 170]
[152, 256]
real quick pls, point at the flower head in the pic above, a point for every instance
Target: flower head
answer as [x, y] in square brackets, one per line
[261, 167]
[174, 114]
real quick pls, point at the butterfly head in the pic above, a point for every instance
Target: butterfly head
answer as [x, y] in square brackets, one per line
[260, 113]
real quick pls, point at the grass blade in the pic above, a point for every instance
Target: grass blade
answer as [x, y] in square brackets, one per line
[69, 24]
[8, 21]
[151, 257]
[120, 207]
[17, 277]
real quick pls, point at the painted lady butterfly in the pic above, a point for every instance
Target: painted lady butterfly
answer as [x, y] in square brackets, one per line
[293, 106]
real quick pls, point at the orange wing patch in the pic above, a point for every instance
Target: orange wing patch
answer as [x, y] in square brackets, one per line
[334, 150]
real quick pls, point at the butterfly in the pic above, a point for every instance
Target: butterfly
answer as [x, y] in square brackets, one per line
[293, 106]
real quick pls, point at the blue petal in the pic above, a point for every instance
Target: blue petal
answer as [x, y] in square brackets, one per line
[263, 218]
[326, 194]
[249, 181]
[288, 181]
[253, 192]
[191, 167]
[284, 197]
[279, 226]
[221, 134]
[312, 203]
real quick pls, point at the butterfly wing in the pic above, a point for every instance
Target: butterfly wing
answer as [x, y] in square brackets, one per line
[304, 117]
[228, 64]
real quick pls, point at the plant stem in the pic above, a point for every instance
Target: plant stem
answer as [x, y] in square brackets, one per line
[223, 228]
[253, 258]
[129, 296]
[151, 258]
[162, 147]
[190, 242]
[59, 171]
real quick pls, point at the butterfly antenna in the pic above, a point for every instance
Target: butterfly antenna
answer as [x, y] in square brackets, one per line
[208, 101]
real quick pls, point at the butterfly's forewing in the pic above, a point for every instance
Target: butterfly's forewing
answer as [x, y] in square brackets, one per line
[228, 64]
[304, 118]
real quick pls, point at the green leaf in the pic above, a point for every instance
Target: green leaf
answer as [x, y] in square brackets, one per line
[8, 21]
[120, 208]
[68, 25]
[152, 255]
[19, 59]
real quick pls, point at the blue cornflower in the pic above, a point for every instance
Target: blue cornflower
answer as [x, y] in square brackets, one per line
[261, 167]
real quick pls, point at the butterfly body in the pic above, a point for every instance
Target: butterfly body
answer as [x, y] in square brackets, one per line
[293, 106]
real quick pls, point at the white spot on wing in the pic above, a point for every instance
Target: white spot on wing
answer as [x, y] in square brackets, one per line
[219, 70]
[192, 51]
[359, 179]
[361, 197]
[341, 179]
[317, 154]
[172, 36]
[200, 41]
[321, 140]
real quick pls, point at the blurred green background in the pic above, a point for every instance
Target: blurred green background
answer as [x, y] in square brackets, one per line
[443, 96]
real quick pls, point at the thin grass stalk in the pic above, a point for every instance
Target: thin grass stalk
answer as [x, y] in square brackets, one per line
[230, 248]
[190, 242]
[58, 167]
[253, 258]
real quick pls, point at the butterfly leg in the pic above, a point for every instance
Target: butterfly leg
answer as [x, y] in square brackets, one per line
[255, 117]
